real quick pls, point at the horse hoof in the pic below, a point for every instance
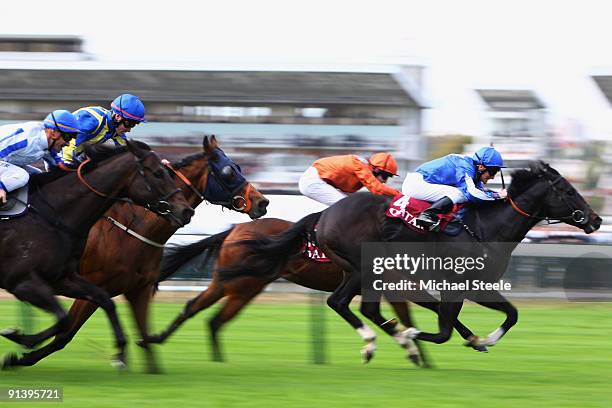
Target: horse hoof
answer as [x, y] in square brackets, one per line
[119, 364]
[10, 361]
[416, 360]
[478, 347]
[366, 356]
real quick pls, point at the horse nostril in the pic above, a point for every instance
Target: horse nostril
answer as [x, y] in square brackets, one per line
[263, 204]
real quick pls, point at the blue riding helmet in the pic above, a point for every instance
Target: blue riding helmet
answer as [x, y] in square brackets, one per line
[488, 157]
[129, 107]
[62, 120]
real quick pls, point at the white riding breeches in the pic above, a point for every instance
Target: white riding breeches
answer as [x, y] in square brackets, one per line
[313, 187]
[13, 177]
[415, 186]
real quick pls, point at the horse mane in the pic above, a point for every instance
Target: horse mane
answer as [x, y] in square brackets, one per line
[102, 152]
[40, 179]
[186, 161]
[523, 179]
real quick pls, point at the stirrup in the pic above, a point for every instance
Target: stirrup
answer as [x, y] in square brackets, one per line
[431, 226]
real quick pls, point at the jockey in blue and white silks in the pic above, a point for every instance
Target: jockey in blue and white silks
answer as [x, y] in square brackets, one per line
[453, 179]
[22, 144]
[99, 124]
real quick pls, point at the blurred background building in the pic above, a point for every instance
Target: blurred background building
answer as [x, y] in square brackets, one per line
[276, 122]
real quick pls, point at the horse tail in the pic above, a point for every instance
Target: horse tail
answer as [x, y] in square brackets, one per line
[175, 257]
[267, 255]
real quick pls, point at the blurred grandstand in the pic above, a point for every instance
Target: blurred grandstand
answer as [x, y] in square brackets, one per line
[276, 121]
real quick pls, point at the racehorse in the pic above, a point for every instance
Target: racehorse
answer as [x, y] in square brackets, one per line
[40, 251]
[537, 194]
[129, 265]
[240, 291]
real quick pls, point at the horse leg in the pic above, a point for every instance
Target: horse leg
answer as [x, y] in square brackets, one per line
[496, 301]
[428, 301]
[39, 294]
[449, 310]
[416, 350]
[210, 296]
[80, 311]
[371, 310]
[75, 286]
[340, 300]
[237, 298]
[29, 340]
[139, 302]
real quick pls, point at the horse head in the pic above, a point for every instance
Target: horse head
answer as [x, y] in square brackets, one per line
[226, 185]
[152, 187]
[561, 200]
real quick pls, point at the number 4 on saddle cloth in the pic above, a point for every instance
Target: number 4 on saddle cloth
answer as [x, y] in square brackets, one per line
[16, 204]
[408, 209]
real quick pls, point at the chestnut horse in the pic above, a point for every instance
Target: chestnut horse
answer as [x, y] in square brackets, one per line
[124, 264]
[240, 291]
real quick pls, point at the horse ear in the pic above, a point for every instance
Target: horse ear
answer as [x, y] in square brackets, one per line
[205, 144]
[213, 141]
[537, 167]
[133, 148]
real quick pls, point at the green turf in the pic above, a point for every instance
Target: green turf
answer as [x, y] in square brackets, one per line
[559, 355]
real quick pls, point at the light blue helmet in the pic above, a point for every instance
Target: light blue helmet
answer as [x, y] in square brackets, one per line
[62, 120]
[129, 107]
[488, 157]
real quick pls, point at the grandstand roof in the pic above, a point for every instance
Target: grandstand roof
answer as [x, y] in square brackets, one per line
[604, 82]
[511, 99]
[211, 86]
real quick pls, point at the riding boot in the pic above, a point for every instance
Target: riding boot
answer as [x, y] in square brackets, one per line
[429, 218]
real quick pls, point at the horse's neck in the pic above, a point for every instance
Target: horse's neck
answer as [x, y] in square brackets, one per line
[153, 226]
[76, 205]
[194, 171]
[505, 224]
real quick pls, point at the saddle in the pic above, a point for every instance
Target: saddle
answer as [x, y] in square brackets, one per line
[311, 248]
[16, 204]
[409, 208]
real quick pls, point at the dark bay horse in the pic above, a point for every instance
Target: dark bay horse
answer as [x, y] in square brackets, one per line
[241, 290]
[124, 264]
[536, 194]
[40, 251]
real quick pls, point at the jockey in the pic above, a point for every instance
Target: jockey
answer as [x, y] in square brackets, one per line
[24, 143]
[330, 178]
[453, 179]
[99, 125]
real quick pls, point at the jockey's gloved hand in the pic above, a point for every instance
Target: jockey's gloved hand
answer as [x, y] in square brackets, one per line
[2, 196]
[501, 195]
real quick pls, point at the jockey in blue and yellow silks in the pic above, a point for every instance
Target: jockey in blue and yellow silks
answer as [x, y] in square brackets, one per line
[99, 125]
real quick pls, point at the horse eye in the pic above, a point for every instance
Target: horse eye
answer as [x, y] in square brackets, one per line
[158, 173]
[571, 192]
[227, 173]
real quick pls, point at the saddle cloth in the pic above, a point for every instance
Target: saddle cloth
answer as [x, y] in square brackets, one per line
[408, 209]
[311, 248]
[16, 204]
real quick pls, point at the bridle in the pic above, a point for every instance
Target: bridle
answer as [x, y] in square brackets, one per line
[161, 206]
[577, 216]
[237, 202]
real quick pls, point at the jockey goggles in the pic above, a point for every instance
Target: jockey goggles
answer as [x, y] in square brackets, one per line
[128, 123]
[385, 175]
[66, 136]
[492, 170]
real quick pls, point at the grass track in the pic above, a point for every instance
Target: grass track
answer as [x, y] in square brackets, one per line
[559, 355]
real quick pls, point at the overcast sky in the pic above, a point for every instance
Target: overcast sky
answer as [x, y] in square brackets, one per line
[550, 46]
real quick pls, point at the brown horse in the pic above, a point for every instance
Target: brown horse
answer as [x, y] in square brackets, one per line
[240, 291]
[124, 264]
